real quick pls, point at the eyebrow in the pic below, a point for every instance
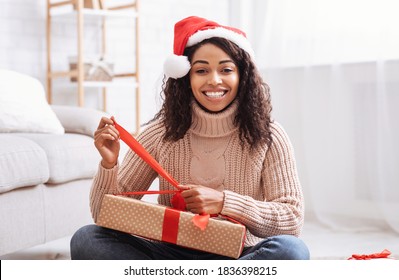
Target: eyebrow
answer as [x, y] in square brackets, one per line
[206, 62]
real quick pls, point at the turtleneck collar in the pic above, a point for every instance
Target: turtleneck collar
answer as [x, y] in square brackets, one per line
[213, 124]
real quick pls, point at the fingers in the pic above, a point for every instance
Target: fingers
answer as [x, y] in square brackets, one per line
[105, 121]
[194, 200]
[190, 193]
[201, 199]
[106, 130]
[106, 133]
[194, 208]
[191, 198]
[184, 187]
[106, 140]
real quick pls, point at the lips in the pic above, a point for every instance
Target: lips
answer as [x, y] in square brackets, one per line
[215, 94]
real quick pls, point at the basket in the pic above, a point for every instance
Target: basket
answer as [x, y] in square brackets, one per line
[94, 70]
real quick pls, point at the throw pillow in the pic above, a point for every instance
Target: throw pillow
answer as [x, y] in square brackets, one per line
[79, 119]
[23, 105]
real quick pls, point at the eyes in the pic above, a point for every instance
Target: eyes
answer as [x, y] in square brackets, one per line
[206, 69]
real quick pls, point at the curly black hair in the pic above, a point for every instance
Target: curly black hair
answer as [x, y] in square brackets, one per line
[254, 102]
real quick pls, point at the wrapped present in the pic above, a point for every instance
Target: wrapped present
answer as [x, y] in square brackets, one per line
[163, 223]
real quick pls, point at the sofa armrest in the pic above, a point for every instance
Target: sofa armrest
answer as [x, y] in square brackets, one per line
[79, 120]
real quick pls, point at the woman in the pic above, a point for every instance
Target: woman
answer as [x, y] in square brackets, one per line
[215, 136]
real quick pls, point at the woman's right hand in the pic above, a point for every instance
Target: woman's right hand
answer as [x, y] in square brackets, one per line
[106, 140]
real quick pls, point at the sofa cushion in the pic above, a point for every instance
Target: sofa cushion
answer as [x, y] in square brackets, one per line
[79, 120]
[22, 163]
[23, 105]
[70, 156]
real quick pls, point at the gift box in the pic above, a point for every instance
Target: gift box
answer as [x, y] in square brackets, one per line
[163, 223]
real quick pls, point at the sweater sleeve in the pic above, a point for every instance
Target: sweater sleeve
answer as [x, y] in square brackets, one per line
[281, 212]
[104, 182]
[134, 174]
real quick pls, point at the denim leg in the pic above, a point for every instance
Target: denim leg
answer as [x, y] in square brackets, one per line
[93, 242]
[280, 247]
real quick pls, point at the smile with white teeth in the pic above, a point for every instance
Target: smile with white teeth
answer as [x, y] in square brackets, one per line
[214, 94]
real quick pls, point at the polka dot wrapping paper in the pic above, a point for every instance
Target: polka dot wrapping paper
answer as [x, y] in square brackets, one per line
[162, 223]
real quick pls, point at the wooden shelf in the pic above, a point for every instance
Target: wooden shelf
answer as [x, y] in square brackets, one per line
[94, 13]
[74, 9]
[110, 84]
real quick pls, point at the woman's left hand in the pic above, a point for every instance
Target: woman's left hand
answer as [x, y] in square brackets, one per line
[202, 200]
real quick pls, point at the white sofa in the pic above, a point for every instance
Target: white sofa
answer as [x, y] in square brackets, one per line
[45, 177]
[45, 181]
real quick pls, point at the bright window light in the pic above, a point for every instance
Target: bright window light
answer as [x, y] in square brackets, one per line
[309, 32]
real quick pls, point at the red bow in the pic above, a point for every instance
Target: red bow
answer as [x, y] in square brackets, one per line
[383, 255]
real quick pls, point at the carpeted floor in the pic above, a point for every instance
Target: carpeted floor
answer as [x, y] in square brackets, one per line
[339, 245]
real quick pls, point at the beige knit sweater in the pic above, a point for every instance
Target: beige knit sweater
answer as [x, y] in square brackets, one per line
[261, 187]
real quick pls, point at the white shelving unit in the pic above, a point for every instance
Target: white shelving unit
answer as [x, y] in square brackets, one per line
[74, 9]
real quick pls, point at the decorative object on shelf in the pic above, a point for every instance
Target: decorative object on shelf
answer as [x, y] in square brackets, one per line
[94, 69]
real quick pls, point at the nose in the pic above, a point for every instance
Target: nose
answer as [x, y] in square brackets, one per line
[214, 79]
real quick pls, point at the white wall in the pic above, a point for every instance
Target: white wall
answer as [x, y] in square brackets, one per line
[23, 47]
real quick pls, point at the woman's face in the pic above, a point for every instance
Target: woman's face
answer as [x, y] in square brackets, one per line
[214, 78]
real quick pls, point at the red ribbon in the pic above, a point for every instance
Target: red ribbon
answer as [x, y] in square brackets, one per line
[177, 200]
[170, 226]
[383, 255]
[140, 151]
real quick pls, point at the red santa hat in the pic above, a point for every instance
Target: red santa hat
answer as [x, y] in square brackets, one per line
[192, 30]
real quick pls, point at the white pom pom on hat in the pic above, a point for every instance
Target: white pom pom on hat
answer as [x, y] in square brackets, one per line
[192, 30]
[176, 66]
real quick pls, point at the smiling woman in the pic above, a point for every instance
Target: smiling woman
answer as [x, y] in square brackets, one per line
[215, 136]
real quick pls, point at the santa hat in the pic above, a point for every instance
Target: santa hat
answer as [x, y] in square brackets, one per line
[192, 30]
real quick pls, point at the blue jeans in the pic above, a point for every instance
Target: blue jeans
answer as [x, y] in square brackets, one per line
[93, 242]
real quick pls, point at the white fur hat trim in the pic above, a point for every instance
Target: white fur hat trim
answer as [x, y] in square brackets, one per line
[228, 34]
